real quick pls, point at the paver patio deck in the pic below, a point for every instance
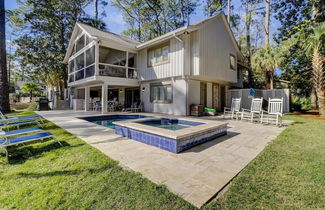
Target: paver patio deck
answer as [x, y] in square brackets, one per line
[196, 174]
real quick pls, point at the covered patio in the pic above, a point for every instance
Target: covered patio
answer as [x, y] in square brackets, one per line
[104, 98]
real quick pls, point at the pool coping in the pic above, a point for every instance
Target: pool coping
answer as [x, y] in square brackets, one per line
[173, 134]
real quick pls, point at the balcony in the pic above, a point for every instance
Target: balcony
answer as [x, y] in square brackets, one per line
[110, 63]
[117, 71]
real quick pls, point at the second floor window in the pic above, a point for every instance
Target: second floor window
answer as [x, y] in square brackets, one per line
[233, 62]
[158, 55]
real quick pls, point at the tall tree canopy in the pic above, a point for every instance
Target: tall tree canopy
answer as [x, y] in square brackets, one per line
[147, 19]
[295, 16]
[47, 26]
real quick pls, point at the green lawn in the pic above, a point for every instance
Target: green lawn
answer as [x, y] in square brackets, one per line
[46, 175]
[289, 173]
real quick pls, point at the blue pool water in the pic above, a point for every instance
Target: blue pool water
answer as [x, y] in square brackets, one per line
[170, 124]
[107, 120]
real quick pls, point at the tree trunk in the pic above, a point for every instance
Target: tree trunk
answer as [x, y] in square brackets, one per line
[228, 15]
[318, 78]
[31, 96]
[269, 80]
[313, 99]
[248, 44]
[181, 9]
[4, 88]
[321, 102]
[267, 22]
[95, 9]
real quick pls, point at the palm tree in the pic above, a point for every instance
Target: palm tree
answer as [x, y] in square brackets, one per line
[265, 61]
[313, 44]
[4, 89]
[30, 87]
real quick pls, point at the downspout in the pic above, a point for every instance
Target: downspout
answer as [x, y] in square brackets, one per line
[183, 72]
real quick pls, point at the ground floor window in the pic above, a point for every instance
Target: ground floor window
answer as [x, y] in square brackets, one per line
[161, 93]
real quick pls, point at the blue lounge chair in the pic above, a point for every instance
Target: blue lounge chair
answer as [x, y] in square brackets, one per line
[7, 142]
[19, 118]
[12, 122]
[22, 131]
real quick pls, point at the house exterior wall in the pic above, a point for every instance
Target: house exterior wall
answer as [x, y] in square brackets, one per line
[215, 47]
[174, 67]
[178, 104]
[194, 92]
[195, 53]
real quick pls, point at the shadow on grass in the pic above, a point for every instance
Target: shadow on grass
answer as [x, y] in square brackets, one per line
[20, 155]
[67, 172]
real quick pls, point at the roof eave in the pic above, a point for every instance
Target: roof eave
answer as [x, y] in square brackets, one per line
[166, 36]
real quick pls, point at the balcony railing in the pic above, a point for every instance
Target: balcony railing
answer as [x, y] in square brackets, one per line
[104, 70]
[117, 71]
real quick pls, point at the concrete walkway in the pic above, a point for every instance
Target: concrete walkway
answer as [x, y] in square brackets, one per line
[197, 174]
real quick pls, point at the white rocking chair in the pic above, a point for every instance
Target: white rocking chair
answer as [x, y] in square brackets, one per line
[256, 109]
[234, 109]
[274, 112]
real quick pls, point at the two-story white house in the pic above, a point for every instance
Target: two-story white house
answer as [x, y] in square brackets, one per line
[194, 64]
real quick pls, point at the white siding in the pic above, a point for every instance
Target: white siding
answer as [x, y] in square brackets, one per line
[177, 107]
[195, 53]
[194, 92]
[215, 48]
[173, 68]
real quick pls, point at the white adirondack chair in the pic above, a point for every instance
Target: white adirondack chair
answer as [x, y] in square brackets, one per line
[274, 112]
[234, 109]
[256, 110]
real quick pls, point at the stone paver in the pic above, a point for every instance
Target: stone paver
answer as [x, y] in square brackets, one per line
[196, 174]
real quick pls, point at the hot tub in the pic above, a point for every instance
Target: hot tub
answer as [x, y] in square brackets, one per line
[173, 135]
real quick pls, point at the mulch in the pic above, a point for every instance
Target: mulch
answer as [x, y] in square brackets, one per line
[311, 114]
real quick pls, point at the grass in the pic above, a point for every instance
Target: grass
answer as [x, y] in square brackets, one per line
[289, 173]
[19, 106]
[45, 175]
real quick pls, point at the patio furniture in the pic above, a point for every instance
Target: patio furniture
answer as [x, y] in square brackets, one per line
[16, 123]
[7, 142]
[3, 116]
[274, 112]
[256, 109]
[234, 109]
[97, 106]
[135, 107]
[22, 131]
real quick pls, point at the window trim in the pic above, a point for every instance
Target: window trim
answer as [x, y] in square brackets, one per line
[230, 65]
[161, 46]
[161, 101]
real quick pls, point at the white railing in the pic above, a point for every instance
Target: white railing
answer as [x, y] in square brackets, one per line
[117, 71]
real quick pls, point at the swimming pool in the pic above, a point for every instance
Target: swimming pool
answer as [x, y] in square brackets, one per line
[170, 124]
[107, 120]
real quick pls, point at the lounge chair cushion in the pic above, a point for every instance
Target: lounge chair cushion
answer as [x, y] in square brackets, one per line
[22, 131]
[28, 138]
[18, 123]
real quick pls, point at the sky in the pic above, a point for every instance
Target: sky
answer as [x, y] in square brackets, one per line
[116, 24]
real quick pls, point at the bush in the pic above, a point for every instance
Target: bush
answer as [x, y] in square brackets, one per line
[300, 103]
